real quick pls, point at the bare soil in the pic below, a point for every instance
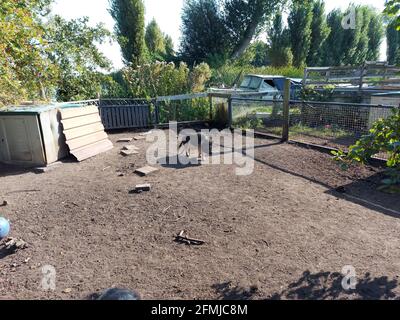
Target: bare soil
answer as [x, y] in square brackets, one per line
[284, 232]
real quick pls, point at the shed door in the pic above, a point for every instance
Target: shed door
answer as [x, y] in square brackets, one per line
[18, 140]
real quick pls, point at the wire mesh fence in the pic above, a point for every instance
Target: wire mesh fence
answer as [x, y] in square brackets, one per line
[261, 115]
[186, 109]
[333, 124]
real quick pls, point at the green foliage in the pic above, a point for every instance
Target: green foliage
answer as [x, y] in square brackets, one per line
[48, 58]
[216, 30]
[309, 93]
[130, 29]
[163, 79]
[169, 48]
[384, 137]
[392, 10]
[279, 52]
[204, 35]
[71, 49]
[24, 70]
[255, 55]
[299, 21]
[244, 20]
[155, 40]
[353, 46]
[332, 48]
[319, 33]
[260, 53]
[247, 122]
[375, 36]
[393, 42]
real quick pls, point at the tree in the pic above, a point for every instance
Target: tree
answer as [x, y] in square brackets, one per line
[319, 33]
[169, 48]
[332, 49]
[155, 40]
[24, 70]
[215, 30]
[375, 35]
[279, 51]
[260, 53]
[245, 19]
[71, 48]
[360, 52]
[353, 46]
[299, 21]
[393, 42]
[204, 36]
[392, 10]
[130, 29]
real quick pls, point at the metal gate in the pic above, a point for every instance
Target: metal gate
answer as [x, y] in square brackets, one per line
[121, 113]
[125, 113]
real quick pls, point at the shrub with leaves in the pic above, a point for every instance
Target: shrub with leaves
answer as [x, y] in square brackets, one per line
[384, 137]
[163, 79]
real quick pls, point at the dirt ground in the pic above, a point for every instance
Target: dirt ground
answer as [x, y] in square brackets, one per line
[284, 232]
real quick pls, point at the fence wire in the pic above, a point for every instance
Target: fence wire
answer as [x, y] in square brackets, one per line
[185, 110]
[333, 124]
[261, 115]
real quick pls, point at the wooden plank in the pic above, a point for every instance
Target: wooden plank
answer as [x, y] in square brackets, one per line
[78, 112]
[80, 121]
[92, 150]
[125, 140]
[141, 188]
[128, 152]
[52, 134]
[83, 131]
[145, 171]
[86, 140]
[130, 147]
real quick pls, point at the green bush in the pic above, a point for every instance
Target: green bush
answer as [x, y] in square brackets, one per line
[384, 137]
[164, 79]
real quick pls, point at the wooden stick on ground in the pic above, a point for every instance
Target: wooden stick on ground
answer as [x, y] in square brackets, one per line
[182, 238]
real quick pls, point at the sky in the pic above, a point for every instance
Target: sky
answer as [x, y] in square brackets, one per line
[167, 14]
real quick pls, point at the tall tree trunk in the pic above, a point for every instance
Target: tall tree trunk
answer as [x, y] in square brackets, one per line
[245, 41]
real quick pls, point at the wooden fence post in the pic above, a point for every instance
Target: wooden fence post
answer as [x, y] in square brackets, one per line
[210, 98]
[156, 113]
[230, 113]
[286, 111]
